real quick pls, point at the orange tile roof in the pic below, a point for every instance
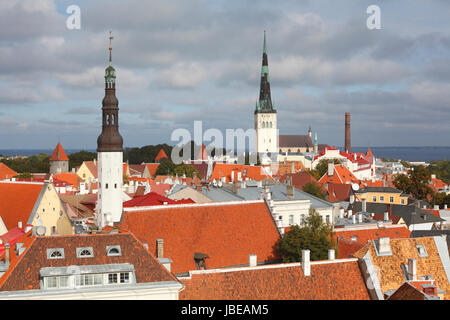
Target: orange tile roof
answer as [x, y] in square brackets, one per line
[161, 155]
[59, 154]
[341, 175]
[6, 172]
[347, 246]
[17, 201]
[391, 275]
[152, 167]
[437, 184]
[227, 233]
[225, 170]
[328, 281]
[71, 178]
[23, 274]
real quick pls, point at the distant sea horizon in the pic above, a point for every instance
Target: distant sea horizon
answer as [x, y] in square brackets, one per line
[425, 153]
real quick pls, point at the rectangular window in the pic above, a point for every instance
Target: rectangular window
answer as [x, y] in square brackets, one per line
[381, 199]
[391, 199]
[327, 219]
[124, 277]
[112, 278]
[52, 282]
[291, 220]
[402, 201]
[63, 282]
[374, 198]
[106, 186]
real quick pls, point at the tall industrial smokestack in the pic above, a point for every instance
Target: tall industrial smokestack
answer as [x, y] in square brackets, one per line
[347, 132]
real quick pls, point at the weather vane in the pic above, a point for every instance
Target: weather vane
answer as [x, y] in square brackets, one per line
[110, 45]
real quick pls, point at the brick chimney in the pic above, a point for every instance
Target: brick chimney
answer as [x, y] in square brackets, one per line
[159, 248]
[306, 264]
[347, 132]
[290, 191]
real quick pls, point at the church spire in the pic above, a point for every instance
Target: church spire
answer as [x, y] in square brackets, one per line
[110, 139]
[265, 99]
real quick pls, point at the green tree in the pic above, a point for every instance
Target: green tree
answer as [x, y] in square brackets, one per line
[77, 158]
[166, 167]
[415, 183]
[24, 175]
[313, 235]
[185, 169]
[315, 189]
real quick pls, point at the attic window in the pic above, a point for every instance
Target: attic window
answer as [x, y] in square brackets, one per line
[85, 252]
[55, 253]
[113, 251]
[354, 238]
[422, 251]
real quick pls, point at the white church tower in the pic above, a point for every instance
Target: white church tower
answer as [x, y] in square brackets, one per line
[265, 114]
[110, 154]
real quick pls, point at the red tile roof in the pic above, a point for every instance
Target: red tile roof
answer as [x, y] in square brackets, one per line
[23, 274]
[227, 233]
[411, 290]
[6, 172]
[152, 199]
[17, 201]
[347, 246]
[161, 155]
[160, 188]
[328, 281]
[59, 154]
[339, 192]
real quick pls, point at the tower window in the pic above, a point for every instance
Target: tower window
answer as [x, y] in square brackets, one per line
[112, 119]
[106, 186]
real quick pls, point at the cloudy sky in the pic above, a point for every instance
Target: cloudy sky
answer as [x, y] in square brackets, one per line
[180, 61]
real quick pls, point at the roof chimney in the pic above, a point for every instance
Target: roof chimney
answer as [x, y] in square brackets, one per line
[364, 205]
[341, 213]
[445, 207]
[292, 168]
[331, 254]
[384, 246]
[306, 264]
[412, 269]
[347, 132]
[290, 191]
[386, 216]
[330, 168]
[252, 260]
[159, 248]
[354, 219]
[349, 213]
[19, 224]
[360, 218]
[7, 253]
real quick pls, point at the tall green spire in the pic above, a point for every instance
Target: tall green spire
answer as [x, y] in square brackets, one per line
[265, 100]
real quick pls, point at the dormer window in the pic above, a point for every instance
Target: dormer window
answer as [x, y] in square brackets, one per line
[113, 251]
[422, 251]
[56, 253]
[85, 252]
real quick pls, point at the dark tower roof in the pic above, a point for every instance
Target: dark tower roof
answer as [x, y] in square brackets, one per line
[265, 100]
[110, 139]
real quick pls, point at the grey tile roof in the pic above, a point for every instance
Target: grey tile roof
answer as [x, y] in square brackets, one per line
[411, 214]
